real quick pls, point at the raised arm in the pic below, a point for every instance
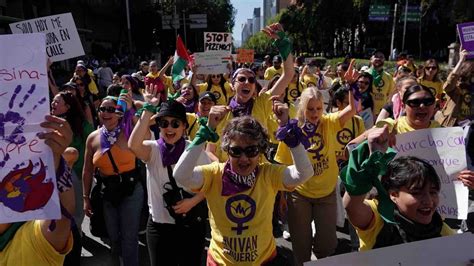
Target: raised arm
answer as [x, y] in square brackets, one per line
[162, 71]
[450, 85]
[350, 110]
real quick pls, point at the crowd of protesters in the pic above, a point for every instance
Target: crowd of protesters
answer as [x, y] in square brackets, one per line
[256, 150]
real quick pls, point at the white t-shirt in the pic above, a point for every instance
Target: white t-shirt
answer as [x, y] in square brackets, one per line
[156, 178]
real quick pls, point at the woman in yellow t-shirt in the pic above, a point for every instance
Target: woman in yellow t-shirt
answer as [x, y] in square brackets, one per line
[430, 79]
[405, 208]
[217, 84]
[240, 192]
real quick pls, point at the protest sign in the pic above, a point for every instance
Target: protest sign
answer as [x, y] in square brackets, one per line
[62, 39]
[245, 55]
[214, 41]
[444, 149]
[27, 174]
[448, 250]
[212, 62]
[466, 36]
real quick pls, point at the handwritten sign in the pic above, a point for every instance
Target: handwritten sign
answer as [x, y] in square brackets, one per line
[27, 175]
[448, 250]
[62, 39]
[444, 149]
[245, 55]
[214, 41]
[466, 36]
[212, 62]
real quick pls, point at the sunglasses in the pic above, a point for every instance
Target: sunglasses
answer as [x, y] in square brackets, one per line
[431, 68]
[250, 151]
[243, 79]
[107, 109]
[417, 102]
[215, 76]
[175, 123]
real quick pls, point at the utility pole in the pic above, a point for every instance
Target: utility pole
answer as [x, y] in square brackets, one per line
[129, 30]
[405, 25]
[393, 30]
[175, 16]
[184, 27]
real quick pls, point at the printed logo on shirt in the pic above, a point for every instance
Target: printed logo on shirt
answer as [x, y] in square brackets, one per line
[378, 96]
[217, 94]
[317, 145]
[241, 249]
[381, 84]
[467, 98]
[344, 136]
[294, 93]
[240, 209]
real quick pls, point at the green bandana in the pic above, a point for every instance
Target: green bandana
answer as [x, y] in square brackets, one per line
[203, 134]
[283, 44]
[9, 234]
[174, 96]
[362, 173]
[376, 75]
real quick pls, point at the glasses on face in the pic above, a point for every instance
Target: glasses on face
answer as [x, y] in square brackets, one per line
[215, 76]
[249, 151]
[163, 123]
[107, 109]
[243, 79]
[431, 67]
[417, 102]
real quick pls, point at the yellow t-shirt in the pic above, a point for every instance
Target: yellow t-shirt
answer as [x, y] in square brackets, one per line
[311, 78]
[380, 94]
[222, 99]
[242, 223]
[401, 124]
[322, 156]
[193, 125]
[261, 109]
[168, 81]
[294, 92]
[368, 237]
[435, 86]
[351, 129]
[271, 72]
[30, 247]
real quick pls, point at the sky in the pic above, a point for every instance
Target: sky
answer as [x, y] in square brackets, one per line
[244, 11]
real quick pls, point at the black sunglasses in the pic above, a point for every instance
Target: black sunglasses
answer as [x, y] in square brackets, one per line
[175, 123]
[215, 76]
[243, 79]
[107, 109]
[417, 102]
[250, 151]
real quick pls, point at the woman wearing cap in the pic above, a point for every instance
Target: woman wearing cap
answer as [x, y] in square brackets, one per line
[241, 192]
[246, 101]
[207, 100]
[169, 242]
[108, 153]
[130, 84]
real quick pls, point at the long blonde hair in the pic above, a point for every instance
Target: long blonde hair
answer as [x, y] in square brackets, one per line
[307, 94]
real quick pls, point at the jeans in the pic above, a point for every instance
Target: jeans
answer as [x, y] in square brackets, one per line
[171, 244]
[122, 223]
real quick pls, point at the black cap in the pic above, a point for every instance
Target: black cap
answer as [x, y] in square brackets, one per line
[208, 95]
[70, 84]
[172, 109]
[277, 58]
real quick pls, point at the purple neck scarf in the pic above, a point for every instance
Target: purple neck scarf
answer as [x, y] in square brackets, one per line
[127, 122]
[310, 129]
[189, 106]
[233, 183]
[238, 109]
[108, 138]
[170, 153]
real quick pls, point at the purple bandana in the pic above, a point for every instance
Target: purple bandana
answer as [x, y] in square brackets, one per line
[189, 106]
[170, 153]
[238, 109]
[108, 138]
[233, 183]
[309, 129]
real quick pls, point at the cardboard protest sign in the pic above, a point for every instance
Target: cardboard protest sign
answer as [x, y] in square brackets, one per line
[466, 36]
[212, 62]
[444, 149]
[27, 174]
[245, 55]
[62, 39]
[214, 41]
[448, 250]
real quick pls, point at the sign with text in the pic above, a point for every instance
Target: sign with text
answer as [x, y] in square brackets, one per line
[62, 39]
[448, 250]
[245, 55]
[444, 149]
[214, 41]
[27, 174]
[466, 36]
[212, 62]
[379, 12]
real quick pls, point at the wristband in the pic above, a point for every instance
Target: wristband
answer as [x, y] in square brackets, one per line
[63, 177]
[204, 133]
[146, 107]
[292, 135]
[283, 44]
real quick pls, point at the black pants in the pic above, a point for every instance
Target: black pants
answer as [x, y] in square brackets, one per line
[171, 244]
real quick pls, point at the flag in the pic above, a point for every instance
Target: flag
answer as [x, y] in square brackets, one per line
[181, 58]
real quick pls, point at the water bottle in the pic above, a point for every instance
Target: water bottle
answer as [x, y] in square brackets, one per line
[121, 104]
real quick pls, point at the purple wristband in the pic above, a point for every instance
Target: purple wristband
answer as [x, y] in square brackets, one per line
[63, 176]
[292, 135]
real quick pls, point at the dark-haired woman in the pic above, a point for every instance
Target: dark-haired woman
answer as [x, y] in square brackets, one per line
[189, 98]
[408, 194]
[429, 77]
[217, 84]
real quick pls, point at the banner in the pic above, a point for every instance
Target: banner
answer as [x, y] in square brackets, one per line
[466, 36]
[27, 174]
[212, 62]
[214, 41]
[441, 251]
[245, 55]
[62, 39]
[444, 149]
